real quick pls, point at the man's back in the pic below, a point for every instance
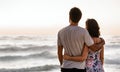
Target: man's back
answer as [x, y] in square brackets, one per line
[72, 38]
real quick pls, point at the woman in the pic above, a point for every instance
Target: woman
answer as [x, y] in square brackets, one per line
[94, 60]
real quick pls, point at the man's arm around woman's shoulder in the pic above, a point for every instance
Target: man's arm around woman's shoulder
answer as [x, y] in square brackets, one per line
[97, 46]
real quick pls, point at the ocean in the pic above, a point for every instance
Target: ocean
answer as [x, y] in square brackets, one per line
[38, 53]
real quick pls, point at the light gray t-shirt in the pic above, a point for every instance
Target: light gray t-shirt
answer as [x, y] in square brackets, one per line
[73, 38]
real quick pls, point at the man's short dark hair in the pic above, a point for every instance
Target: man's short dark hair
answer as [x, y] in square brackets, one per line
[75, 14]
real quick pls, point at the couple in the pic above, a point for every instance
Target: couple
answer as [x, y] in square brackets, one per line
[83, 48]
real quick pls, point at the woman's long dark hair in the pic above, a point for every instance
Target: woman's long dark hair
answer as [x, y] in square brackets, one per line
[93, 27]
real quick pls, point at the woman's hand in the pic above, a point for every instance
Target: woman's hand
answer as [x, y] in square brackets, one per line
[66, 57]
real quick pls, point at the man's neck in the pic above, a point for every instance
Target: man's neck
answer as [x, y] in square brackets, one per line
[73, 24]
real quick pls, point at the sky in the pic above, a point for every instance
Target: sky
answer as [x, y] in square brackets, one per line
[49, 16]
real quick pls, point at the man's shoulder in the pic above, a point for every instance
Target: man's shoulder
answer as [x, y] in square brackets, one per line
[82, 29]
[78, 28]
[63, 29]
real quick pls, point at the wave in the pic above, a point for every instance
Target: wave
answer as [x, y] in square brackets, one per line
[32, 69]
[113, 61]
[26, 37]
[112, 46]
[115, 42]
[44, 54]
[115, 36]
[28, 48]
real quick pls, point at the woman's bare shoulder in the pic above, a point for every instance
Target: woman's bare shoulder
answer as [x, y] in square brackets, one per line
[97, 40]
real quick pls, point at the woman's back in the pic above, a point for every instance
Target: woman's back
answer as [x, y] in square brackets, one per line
[93, 62]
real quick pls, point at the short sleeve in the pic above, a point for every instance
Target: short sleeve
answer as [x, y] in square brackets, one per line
[88, 39]
[59, 43]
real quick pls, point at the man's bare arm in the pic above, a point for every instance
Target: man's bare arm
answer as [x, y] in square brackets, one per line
[80, 58]
[60, 54]
[97, 46]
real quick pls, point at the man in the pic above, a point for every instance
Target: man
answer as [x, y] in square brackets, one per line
[72, 38]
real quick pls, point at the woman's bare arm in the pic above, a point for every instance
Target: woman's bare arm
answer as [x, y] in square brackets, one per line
[102, 55]
[78, 58]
